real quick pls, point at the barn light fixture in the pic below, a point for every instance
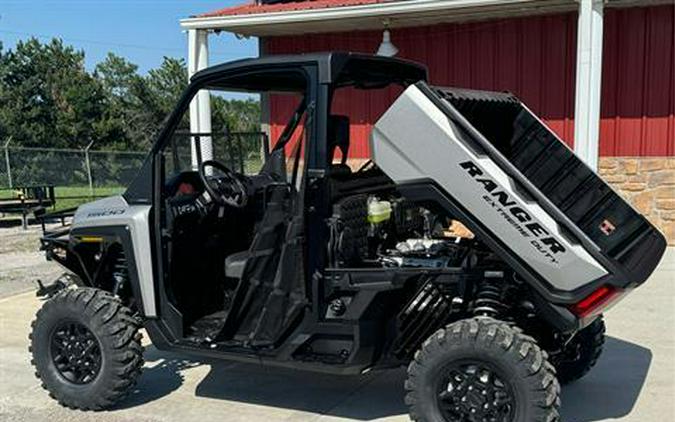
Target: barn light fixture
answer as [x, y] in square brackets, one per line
[387, 48]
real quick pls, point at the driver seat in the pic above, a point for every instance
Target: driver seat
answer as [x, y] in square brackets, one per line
[235, 264]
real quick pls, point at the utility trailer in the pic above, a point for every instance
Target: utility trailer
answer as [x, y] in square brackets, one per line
[313, 265]
[29, 199]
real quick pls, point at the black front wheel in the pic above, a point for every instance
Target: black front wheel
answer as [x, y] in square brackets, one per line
[75, 352]
[86, 348]
[481, 370]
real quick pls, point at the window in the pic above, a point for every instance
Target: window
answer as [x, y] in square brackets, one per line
[354, 110]
[235, 138]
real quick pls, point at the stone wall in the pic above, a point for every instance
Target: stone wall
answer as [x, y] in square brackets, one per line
[649, 184]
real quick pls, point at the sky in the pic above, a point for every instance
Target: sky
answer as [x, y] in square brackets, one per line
[142, 31]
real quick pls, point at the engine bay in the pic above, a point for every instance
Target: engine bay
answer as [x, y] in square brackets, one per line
[386, 230]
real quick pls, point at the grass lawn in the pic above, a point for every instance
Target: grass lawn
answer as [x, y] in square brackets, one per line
[71, 196]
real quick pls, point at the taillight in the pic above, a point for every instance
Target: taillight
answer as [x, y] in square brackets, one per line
[596, 302]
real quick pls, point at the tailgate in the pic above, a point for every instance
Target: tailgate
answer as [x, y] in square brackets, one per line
[519, 186]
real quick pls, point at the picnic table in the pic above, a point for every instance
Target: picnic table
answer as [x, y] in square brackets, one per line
[28, 199]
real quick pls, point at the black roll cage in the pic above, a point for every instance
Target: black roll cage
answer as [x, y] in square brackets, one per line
[317, 76]
[322, 73]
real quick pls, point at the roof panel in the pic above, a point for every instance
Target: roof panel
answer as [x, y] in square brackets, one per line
[254, 8]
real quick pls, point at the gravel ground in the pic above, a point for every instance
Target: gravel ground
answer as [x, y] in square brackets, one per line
[632, 382]
[21, 262]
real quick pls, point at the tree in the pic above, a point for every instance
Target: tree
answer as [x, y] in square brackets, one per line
[47, 97]
[117, 75]
[236, 115]
[139, 104]
[122, 86]
[159, 94]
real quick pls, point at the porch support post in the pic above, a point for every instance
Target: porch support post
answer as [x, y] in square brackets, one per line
[588, 81]
[265, 114]
[200, 107]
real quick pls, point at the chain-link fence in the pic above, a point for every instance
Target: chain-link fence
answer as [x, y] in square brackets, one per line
[69, 167]
[77, 175]
[243, 152]
[4, 180]
[82, 174]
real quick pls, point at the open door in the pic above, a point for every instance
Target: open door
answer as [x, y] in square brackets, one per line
[271, 294]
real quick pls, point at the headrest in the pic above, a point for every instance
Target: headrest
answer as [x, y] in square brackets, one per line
[338, 136]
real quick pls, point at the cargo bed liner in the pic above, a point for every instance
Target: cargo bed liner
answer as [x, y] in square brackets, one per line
[486, 158]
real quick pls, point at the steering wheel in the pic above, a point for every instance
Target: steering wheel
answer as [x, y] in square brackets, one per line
[228, 189]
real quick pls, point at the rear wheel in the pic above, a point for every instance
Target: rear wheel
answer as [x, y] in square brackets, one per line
[582, 353]
[86, 348]
[481, 369]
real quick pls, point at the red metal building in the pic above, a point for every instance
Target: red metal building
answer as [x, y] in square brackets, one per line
[533, 48]
[534, 57]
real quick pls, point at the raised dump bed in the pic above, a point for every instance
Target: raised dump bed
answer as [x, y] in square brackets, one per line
[516, 184]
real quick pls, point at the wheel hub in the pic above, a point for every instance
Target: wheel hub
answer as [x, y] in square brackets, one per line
[75, 352]
[474, 392]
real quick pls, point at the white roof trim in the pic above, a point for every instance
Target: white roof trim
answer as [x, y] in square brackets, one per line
[234, 22]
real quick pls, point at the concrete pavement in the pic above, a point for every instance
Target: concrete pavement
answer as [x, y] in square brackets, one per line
[633, 381]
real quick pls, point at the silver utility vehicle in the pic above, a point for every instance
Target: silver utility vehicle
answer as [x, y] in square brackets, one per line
[315, 264]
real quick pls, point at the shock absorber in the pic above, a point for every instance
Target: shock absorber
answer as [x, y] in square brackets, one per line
[489, 295]
[120, 273]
